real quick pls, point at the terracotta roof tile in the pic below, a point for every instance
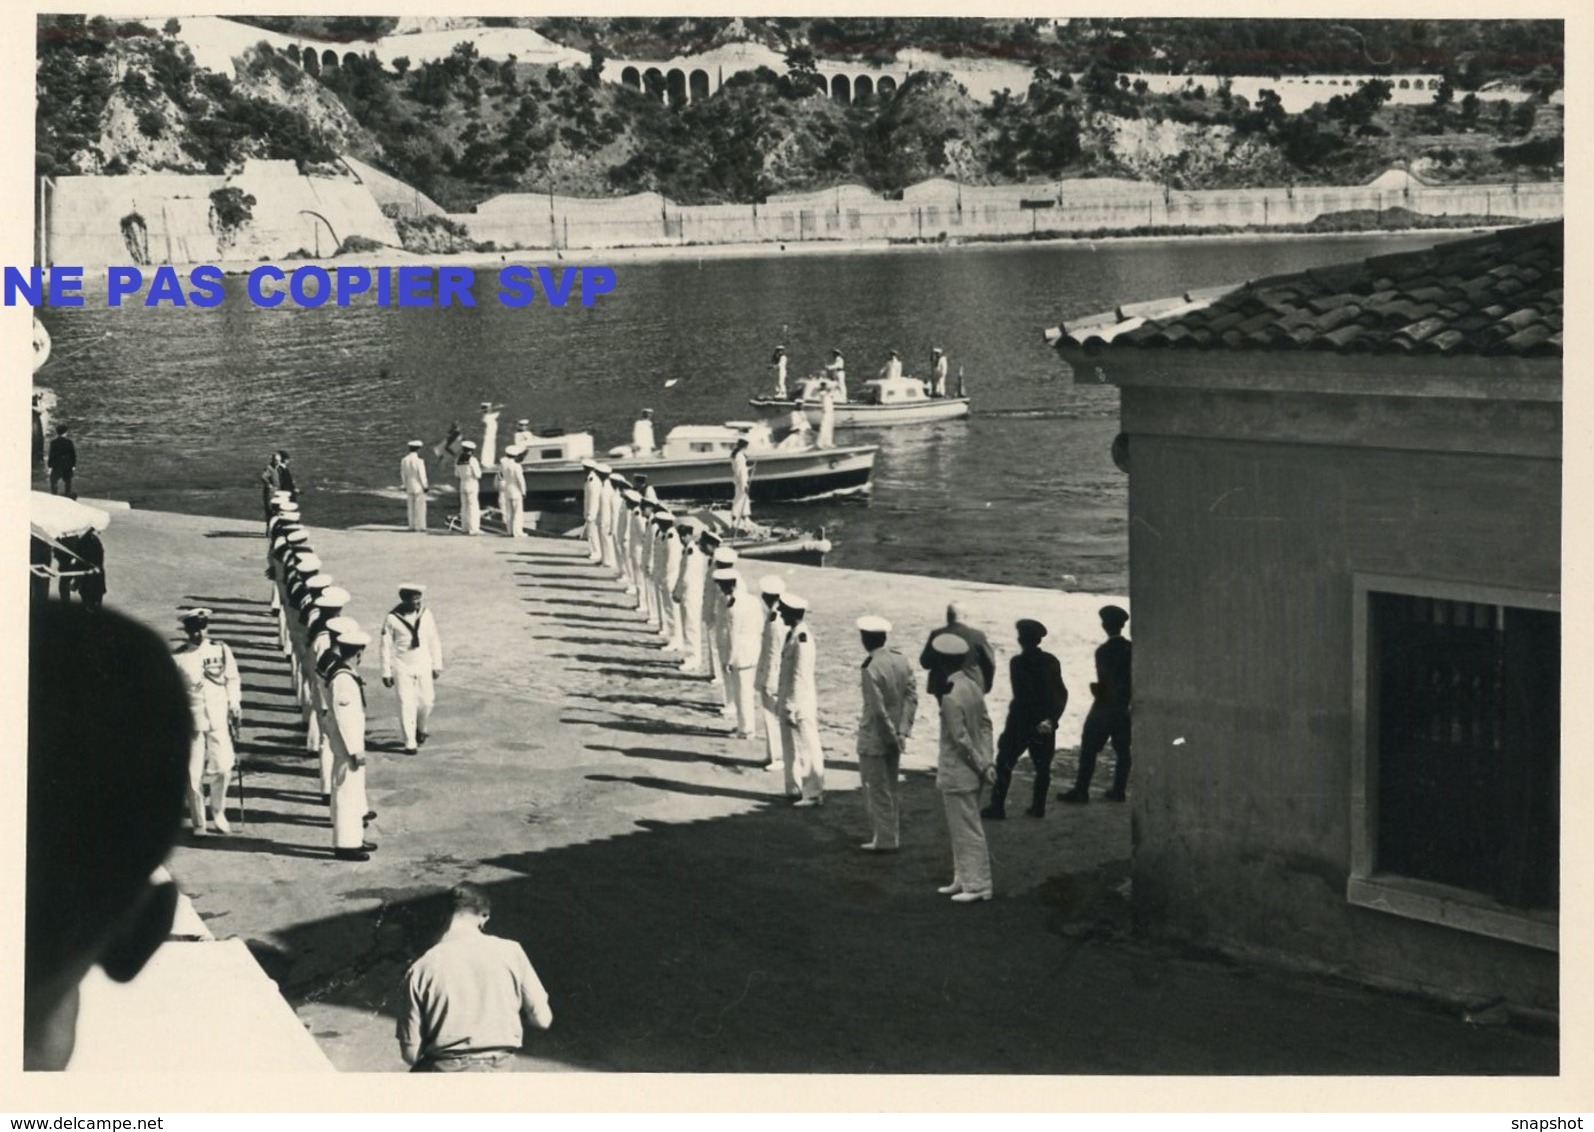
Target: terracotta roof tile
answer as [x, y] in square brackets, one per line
[1500, 293]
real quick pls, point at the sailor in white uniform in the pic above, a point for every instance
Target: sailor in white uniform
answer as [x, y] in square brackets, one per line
[836, 371]
[744, 633]
[803, 757]
[523, 434]
[642, 434]
[412, 658]
[741, 483]
[667, 568]
[329, 603]
[344, 725]
[468, 470]
[766, 678]
[591, 506]
[215, 700]
[686, 591]
[938, 372]
[412, 471]
[893, 367]
[778, 364]
[608, 505]
[489, 432]
[512, 492]
[716, 625]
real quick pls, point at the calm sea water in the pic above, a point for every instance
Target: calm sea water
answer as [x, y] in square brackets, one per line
[177, 409]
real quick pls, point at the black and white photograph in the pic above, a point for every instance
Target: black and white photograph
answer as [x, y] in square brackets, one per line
[1018, 547]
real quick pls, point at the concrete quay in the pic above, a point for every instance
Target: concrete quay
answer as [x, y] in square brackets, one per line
[682, 915]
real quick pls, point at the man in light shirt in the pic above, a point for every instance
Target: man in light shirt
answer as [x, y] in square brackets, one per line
[469, 995]
[412, 472]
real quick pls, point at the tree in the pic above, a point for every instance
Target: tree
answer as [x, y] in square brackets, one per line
[1444, 93]
[802, 72]
[172, 27]
[401, 65]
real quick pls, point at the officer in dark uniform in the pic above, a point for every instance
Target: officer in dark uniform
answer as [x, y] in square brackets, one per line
[1108, 719]
[1039, 697]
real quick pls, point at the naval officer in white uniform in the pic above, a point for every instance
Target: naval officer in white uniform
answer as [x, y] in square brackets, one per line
[215, 700]
[412, 657]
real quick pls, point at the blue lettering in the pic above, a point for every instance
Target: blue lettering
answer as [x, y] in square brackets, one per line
[207, 290]
[31, 285]
[412, 284]
[167, 288]
[323, 285]
[257, 294]
[455, 283]
[352, 281]
[66, 287]
[514, 286]
[595, 281]
[121, 282]
[558, 290]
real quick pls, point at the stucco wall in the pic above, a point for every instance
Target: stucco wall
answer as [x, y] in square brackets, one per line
[1242, 553]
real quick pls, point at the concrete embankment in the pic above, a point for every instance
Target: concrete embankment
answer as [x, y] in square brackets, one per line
[683, 916]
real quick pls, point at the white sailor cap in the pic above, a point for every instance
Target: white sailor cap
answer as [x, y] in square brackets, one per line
[523, 421]
[318, 582]
[281, 496]
[467, 444]
[949, 644]
[873, 624]
[514, 450]
[937, 350]
[417, 444]
[726, 556]
[355, 638]
[665, 518]
[309, 563]
[771, 584]
[411, 588]
[688, 524]
[607, 470]
[334, 597]
[793, 602]
[726, 574]
[632, 495]
[189, 616]
[590, 465]
[619, 479]
[338, 626]
[486, 405]
[298, 538]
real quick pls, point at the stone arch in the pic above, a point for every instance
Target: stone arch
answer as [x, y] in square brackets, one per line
[863, 88]
[632, 78]
[886, 87]
[697, 84]
[351, 59]
[841, 88]
[1418, 84]
[1405, 84]
[329, 58]
[653, 83]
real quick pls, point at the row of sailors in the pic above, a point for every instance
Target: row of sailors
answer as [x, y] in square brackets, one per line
[324, 648]
[755, 648]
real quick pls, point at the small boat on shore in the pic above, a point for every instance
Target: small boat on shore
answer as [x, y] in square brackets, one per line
[695, 465]
[881, 402]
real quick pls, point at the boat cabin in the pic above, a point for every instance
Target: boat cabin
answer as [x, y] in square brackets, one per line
[700, 442]
[554, 447]
[893, 391]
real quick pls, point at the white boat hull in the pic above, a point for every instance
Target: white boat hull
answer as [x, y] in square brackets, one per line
[854, 414]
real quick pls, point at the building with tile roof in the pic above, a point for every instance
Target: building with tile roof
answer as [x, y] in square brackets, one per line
[1345, 571]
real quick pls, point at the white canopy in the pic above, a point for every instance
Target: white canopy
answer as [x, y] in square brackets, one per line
[56, 516]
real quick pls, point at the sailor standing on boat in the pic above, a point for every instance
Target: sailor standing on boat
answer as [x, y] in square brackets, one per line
[687, 593]
[802, 754]
[469, 472]
[741, 484]
[591, 504]
[766, 677]
[512, 491]
[642, 434]
[412, 658]
[523, 434]
[836, 370]
[892, 370]
[489, 431]
[827, 420]
[938, 372]
[778, 364]
[412, 471]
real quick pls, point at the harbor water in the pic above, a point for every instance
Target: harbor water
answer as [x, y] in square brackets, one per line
[177, 409]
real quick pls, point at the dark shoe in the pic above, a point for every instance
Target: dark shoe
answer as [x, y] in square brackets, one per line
[369, 817]
[420, 737]
[351, 855]
[1115, 796]
[993, 813]
[411, 751]
[1075, 797]
[368, 846]
[326, 799]
[1036, 811]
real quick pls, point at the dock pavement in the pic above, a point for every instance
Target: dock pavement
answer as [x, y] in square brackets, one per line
[683, 916]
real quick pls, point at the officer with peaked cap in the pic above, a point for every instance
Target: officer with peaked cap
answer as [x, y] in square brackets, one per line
[608, 503]
[1108, 718]
[468, 470]
[667, 568]
[964, 766]
[215, 702]
[744, 634]
[344, 726]
[802, 754]
[890, 702]
[627, 499]
[629, 541]
[766, 677]
[591, 507]
[1039, 700]
[412, 474]
[412, 658]
[512, 491]
[686, 592]
[716, 625]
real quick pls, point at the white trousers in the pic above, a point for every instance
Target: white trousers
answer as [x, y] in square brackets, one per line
[210, 763]
[691, 618]
[415, 501]
[971, 858]
[470, 501]
[744, 698]
[804, 758]
[669, 614]
[348, 804]
[879, 774]
[767, 710]
[514, 513]
[415, 699]
[595, 549]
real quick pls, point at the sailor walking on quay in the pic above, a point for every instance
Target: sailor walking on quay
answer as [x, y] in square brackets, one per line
[512, 492]
[412, 658]
[469, 473]
[412, 472]
[890, 702]
[802, 754]
[741, 483]
[1108, 718]
[345, 727]
[766, 677]
[744, 634]
[1039, 700]
[963, 768]
[215, 701]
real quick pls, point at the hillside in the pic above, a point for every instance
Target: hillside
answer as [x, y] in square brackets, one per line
[126, 97]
